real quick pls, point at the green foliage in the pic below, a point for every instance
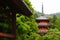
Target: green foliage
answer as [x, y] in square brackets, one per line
[29, 5]
[57, 14]
[37, 14]
[57, 24]
[54, 19]
[26, 28]
[53, 34]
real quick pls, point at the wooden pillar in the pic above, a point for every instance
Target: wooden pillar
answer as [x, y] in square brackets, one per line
[14, 25]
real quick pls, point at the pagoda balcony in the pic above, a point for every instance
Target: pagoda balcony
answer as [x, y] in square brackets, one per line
[44, 25]
[42, 31]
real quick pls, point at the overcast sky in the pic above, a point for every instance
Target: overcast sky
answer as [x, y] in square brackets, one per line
[50, 6]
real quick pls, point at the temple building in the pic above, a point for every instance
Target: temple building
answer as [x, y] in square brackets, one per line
[10, 8]
[43, 23]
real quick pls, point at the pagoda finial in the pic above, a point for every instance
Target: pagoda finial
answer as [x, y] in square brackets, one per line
[42, 10]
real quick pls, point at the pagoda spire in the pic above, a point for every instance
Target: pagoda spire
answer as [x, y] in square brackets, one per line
[42, 10]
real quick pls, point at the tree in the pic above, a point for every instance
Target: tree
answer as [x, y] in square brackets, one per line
[29, 5]
[26, 26]
[37, 14]
[53, 34]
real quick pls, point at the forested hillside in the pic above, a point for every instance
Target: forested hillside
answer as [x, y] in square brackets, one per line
[57, 14]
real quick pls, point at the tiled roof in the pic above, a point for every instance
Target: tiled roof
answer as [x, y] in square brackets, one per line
[42, 18]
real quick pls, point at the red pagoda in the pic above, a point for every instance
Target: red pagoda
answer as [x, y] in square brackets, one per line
[43, 23]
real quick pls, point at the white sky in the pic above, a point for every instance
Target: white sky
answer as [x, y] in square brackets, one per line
[50, 6]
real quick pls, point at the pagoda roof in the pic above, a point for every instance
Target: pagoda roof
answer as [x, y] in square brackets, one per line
[42, 18]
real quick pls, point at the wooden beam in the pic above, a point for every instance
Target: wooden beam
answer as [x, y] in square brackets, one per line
[14, 25]
[6, 35]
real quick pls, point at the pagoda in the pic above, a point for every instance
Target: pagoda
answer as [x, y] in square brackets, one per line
[43, 23]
